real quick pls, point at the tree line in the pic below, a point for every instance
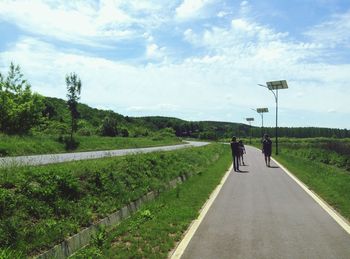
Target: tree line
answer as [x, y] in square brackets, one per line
[219, 130]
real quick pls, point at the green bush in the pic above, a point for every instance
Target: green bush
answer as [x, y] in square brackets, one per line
[70, 143]
[85, 128]
[124, 132]
[109, 127]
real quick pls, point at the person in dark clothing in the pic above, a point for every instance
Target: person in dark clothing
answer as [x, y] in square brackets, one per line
[267, 149]
[235, 153]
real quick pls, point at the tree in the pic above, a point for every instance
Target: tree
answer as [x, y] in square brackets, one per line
[109, 127]
[20, 109]
[73, 83]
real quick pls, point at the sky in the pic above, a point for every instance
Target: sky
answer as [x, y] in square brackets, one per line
[190, 59]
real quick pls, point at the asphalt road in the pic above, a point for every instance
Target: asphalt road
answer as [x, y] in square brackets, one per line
[262, 213]
[66, 157]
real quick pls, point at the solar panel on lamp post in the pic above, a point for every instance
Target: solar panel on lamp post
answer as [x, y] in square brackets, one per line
[261, 112]
[250, 126]
[276, 85]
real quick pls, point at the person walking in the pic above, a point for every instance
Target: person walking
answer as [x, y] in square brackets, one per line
[267, 149]
[235, 153]
[241, 152]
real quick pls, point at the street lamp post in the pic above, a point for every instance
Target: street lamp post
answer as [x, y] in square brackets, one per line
[276, 85]
[261, 112]
[250, 126]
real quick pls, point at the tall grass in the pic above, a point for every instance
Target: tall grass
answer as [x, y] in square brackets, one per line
[335, 152]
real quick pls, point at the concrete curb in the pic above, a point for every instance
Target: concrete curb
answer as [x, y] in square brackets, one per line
[72, 244]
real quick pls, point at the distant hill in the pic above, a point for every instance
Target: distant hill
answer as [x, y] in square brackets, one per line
[91, 120]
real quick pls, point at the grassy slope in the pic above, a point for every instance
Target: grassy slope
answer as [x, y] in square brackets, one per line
[39, 206]
[17, 146]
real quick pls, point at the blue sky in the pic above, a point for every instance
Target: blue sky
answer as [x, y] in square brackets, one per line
[191, 59]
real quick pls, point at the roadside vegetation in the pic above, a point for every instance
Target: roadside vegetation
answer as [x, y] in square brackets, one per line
[328, 151]
[46, 144]
[40, 206]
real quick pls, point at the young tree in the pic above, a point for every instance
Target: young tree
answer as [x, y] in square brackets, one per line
[20, 109]
[73, 83]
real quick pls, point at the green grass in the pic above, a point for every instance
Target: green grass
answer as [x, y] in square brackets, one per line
[10, 254]
[158, 226]
[45, 144]
[41, 205]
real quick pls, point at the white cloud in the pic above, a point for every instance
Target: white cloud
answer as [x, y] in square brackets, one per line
[333, 32]
[241, 24]
[85, 22]
[154, 108]
[41, 18]
[222, 14]
[249, 53]
[211, 87]
[153, 51]
[245, 8]
[331, 110]
[191, 37]
[191, 8]
[218, 82]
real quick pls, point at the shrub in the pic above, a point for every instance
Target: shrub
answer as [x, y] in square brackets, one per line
[70, 143]
[124, 132]
[3, 152]
[109, 127]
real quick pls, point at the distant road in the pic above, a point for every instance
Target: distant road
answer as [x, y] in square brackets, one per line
[66, 157]
[263, 213]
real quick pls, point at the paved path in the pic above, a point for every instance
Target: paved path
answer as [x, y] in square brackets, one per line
[263, 213]
[66, 157]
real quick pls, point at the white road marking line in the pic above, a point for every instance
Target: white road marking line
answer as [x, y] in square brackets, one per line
[334, 214]
[195, 224]
[328, 208]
